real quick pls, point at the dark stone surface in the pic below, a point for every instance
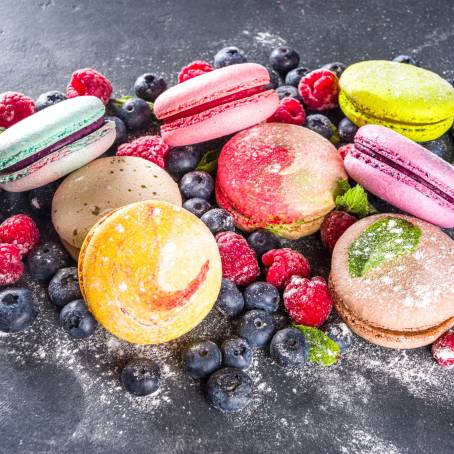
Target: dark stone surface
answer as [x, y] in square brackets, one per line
[60, 396]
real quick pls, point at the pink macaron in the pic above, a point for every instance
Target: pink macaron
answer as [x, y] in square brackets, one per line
[403, 173]
[216, 104]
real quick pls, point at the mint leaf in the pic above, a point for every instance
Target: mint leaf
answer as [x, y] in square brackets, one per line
[323, 350]
[342, 187]
[209, 161]
[382, 241]
[354, 201]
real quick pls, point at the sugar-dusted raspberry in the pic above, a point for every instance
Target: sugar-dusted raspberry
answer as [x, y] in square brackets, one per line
[308, 301]
[290, 111]
[11, 266]
[282, 264]
[14, 107]
[443, 350]
[151, 148]
[319, 89]
[345, 149]
[21, 231]
[194, 69]
[334, 225]
[239, 262]
[88, 81]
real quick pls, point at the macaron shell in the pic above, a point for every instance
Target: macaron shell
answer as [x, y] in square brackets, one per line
[72, 251]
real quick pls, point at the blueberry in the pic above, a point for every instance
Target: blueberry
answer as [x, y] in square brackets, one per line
[40, 199]
[121, 135]
[64, 286]
[77, 320]
[321, 125]
[46, 259]
[17, 311]
[49, 99]
[262, 241]
[141, 377]
[336, 67]
[236, 352]
[288, 91]
[340, 333]
[347, 130]
[13, 203]
[149, 86]
[229, 56]
[451, 81]
[442, 147]
[406, 59]
[181, 160]
[282, 320]
[275, 79]
[261, 295]
[197, 184]
[289, 348]
[283, 59]
[218, 220]
[197, 206]
[294, 76]
[201, 359]
[257, 327]
[136, 114]
[230, 300]
[229, 389]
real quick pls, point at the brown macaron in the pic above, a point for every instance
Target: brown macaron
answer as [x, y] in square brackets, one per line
[392, 280]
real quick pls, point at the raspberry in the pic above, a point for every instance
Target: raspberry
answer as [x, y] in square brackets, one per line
[14, 107]
[334, 225]
[21, 231]
[290, 111]
[151, 148]
[308, 301]
[87, 81]
[443, 350]
[239, 262]
[319, 89]
[11, 267]
[194, 69]
[283, 264]
[345, 149]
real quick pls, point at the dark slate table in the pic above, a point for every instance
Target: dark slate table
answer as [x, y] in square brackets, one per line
[61, 396]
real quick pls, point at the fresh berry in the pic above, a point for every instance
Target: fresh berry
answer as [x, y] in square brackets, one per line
[289, 348]
[201, 359]
[261, 295]
[194, 69]
[49, 99]
[136, 114]
[290, 111]
[321, 125]
[284, 263]
[141, 377]
[151, 148]
[229, 56]
[288, 91]
[406, 59]
[345, 149]
[218, 220]
[230, 300]
[443, 350]
[340, 333]
[181, 160]
[197, 206]
[336, 67]
[13, 203]
[275, 80]
[46, 259]
[257, 327]
[121, 135]
[282, 320]
[197, 184]
[294, 76]
[64, 287]
[17, 311]
[262, 241]
[11, 266]
[149, 86]
[319, 89]
[236, 352]
[451, 81]
[14, 107]
[334, 225]
[283, 59]
[77, 320]
[89, 82]
[347, 130]
[308, 301]
[239, 262]
[21, 231]
[40, 199]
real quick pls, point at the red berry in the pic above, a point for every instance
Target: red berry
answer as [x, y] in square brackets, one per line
[334, 225]
[290, 111]
[345, 149]
[282, 264]
[319, 89]
[151, 148]
[14, 107]
[11, 267]
[21, 231]
[194, 69]
[308, 301]
[443, 350]
[87, 81]
[239, 262]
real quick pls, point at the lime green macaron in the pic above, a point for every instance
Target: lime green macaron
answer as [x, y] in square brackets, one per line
[415, 102]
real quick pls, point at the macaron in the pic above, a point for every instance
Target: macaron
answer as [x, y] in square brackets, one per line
[278, 177]
[215, 104]
[103, 185]
[53, 142]
[392, 280]
[413, 101]
[149, 272]
[403, 173]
